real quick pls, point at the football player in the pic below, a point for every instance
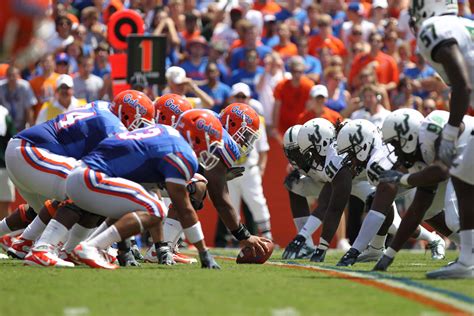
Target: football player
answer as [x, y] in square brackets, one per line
[415, 139]
[365, 152]
[241, 124]
[446, 41]
[111, 175]
[40, 158]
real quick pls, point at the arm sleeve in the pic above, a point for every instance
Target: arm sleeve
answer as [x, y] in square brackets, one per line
[177, 168]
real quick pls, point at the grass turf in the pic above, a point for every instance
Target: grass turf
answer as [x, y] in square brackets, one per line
[234, 290]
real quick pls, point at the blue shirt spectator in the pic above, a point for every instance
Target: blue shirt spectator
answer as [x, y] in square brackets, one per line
[217, 90]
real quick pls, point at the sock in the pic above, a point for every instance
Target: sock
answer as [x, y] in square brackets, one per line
[265, 229]
[466, 255]
[55, 235]
[106, 238]
[371, 225]
[98, 230]
[390, 252]
[378, 241]
[312, 224]
[300, 221]
[426, 235]
[4, 229]
[172, 229]
[454, 237]
[34, 230]
[323, 244]
[392, 230]
[77, 234]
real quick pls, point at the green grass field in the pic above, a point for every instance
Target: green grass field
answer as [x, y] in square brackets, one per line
[234, 290]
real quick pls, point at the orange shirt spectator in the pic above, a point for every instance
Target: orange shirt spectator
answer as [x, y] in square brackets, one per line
[3, 70]
[385, 67]
[44, 86]
[291, 95]
[319, 95]
[287, 50]
[266, 7]
[316, 42]
[325, 38]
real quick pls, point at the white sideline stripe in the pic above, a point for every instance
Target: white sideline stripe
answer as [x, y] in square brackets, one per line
[394, 283]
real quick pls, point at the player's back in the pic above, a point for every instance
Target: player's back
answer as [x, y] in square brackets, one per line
[446, 28]
[147, 155]
[75, 133]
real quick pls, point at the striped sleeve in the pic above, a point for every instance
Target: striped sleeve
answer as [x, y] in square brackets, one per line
[178, 168]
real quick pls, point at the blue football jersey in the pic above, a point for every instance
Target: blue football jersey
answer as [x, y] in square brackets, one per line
[75, 133]
[155, 154]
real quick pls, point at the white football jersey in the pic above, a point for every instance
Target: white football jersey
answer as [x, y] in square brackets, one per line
[430, 129]
[441, 29]
[381, 159]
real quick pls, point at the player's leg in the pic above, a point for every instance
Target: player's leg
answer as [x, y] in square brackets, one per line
[91, 252]
[382, 204]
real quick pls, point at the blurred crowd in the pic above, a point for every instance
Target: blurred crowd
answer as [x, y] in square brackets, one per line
[300, 59]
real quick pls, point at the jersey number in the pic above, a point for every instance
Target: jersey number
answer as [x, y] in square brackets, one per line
[428, 35]
[140, 134]
[374, 171]
[330, 170]
[72, 117]
[433, 128]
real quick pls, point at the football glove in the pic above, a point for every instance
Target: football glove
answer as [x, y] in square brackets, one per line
[390, 176]
[447, 145]
[294, 247]
[291, 179]
[234, 172]
[207, 260]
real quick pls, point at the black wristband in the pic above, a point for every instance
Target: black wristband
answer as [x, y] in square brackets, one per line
[241, 233]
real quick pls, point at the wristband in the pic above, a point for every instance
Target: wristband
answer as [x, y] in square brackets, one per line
[450, 132]
[404, 179]
[241, 233]
[194, 233]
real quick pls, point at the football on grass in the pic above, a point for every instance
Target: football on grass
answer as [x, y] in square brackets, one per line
[246, 256]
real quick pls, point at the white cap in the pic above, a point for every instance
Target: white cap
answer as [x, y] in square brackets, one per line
[318, 90]
[241, 88]
[175, 74]
[380, 4]
[64, 79]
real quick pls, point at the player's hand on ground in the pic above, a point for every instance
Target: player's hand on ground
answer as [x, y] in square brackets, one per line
[390, 176]
[164, 254]
[294, 247]
[258, 245]
[207, 260]
[234, 172]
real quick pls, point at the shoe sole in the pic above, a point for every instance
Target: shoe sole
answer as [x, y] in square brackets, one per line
[15, 255]
[369, 258]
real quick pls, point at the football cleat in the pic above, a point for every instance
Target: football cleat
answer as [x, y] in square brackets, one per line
[136, 252]
[383, 263]
[6, 242]
[20, 248]
[292, 251]
[44, 258]
[454, 270]
[370, 254]
[349, 258]
[127, 259]
[93, 257]
[318, 255]
[68, 257]
[437, 248]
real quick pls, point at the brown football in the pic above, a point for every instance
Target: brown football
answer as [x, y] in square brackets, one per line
[246, 256]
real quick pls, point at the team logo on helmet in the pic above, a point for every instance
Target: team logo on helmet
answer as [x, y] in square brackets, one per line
[241, 113]
[173, 107]
[316, 136]
[201, 124]
[403, 128]
[357, 138]
[128, 98]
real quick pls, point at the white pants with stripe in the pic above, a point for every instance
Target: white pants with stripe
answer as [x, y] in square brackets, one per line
[37, 173]
[111, 197]
[249, 188]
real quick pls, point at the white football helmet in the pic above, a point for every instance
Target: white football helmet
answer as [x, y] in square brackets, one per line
[421, 10]
[314, 138]
[400, 129]
[357, 138]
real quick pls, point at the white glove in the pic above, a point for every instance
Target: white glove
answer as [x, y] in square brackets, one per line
[447, 146]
